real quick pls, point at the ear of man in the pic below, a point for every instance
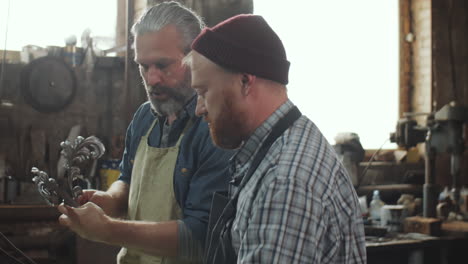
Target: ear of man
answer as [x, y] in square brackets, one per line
[247, 80]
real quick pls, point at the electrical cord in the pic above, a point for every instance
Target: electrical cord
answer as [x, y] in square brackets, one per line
[11, 257]
[361, 177]
[12, 246]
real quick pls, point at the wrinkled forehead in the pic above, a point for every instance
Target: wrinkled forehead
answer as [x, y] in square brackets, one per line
[166, 42]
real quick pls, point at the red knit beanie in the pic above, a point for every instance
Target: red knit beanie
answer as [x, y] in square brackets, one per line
[245, 43]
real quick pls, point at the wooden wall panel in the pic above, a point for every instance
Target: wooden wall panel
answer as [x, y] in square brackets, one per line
[406, 72]
[450, 51]
[450, 69]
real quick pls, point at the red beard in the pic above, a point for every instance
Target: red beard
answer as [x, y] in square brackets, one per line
[226, 128]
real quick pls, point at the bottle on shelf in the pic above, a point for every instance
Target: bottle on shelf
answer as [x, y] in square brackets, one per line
[376, 205]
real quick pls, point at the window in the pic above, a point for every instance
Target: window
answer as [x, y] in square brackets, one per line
[49, 22]
[344, 63]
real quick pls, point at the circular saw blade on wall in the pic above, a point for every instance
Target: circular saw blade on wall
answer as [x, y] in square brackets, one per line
[48, 84]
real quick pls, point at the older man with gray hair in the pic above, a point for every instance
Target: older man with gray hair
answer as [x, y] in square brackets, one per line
[170, 167]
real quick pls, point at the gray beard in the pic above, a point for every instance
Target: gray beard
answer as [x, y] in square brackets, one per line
[178, 97]
[168, 107]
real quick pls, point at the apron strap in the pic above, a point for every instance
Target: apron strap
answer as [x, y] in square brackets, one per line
[155, 121]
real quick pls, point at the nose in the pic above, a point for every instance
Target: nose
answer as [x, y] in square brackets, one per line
[153, 76]
[201, 109]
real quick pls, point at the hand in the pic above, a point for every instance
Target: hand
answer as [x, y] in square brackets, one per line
[102, 199]
[88, 221]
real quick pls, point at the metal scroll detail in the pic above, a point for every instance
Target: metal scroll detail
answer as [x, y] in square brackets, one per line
[77, 154]
[46, 186]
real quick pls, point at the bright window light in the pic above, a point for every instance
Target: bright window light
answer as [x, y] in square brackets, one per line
[48, 22]
[344, 63]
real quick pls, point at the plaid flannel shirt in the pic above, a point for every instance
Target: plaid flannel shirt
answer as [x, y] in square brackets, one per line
[299, 206]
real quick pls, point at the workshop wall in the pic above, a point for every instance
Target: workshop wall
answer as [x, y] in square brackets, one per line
[31, 137]
[450, 52]
[450, 66]
[439, 68]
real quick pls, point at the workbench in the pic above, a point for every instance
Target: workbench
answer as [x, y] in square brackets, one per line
[35, 230]
[414, 248]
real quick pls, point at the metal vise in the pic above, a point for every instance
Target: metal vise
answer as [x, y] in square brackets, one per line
[443, 133]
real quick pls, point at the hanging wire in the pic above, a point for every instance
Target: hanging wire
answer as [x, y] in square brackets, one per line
[4, 49]
[361, 177]
[17, 250]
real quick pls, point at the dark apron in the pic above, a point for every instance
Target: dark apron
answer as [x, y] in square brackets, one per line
[219, 247]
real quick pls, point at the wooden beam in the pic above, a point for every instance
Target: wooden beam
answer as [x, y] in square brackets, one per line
[129, 57]
[406, 81]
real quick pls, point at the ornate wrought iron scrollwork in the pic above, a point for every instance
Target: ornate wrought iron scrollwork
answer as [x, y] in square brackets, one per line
[76, 154]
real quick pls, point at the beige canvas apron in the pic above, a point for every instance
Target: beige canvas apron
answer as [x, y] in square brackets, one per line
[151, 196]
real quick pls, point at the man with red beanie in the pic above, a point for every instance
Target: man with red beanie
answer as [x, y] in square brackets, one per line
[290, 199]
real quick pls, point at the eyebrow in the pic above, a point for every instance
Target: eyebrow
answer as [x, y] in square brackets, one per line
[159, 60]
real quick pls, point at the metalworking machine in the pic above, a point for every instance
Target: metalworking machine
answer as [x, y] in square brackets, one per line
[443, 133]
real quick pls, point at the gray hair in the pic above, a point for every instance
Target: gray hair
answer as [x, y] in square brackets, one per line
[187, 22]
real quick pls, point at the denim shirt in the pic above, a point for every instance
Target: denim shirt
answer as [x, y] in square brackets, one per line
[201, 167]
